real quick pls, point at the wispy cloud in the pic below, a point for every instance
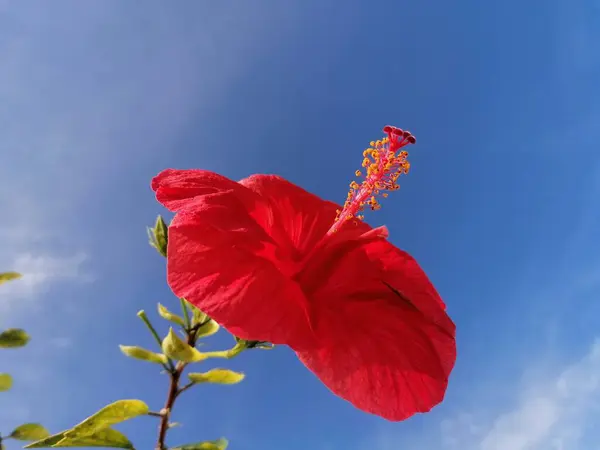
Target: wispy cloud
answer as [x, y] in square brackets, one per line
[552, 411]
[549, 413]
[40, 274]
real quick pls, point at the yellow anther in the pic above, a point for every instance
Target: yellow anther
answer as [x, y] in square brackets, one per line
[383, 164]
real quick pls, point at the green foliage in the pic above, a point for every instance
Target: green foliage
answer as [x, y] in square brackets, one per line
[13, 338]
[143, 354]
[263, 345]
[208, 328]
[104, 438]
[218, 376]
[168, 315]
[219, 444]
[174, 347]
[29, 432]
[9, 276]
[177, 353]
[158, 236]
[95, 431]
[116, 412]
[239, 347]
[198, 317]
[6, 382]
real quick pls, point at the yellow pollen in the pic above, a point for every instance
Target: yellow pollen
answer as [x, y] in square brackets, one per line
[384, 162]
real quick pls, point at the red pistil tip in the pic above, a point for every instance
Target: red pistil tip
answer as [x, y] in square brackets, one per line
[383, 164]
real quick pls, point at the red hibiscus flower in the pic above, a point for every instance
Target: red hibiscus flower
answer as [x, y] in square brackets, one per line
[272, 262]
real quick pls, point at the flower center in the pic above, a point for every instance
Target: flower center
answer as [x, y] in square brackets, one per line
[383, 164]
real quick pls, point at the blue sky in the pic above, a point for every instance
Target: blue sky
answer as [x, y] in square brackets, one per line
[500, 207]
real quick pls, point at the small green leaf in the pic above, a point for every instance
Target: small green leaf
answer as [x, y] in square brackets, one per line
[207, 329]
[197, 315]
[143, 354]
[228, 354]
[29, 432]
[116, 412]
[9, 276]
[105, 438]
[174, 347]
[219, 376]
[219, 444]
[168, 315]
[264, 345]
[158, 236]
[13, 338]
[6, 382]
[47, 442]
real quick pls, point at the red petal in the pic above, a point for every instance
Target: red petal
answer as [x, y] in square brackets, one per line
[222, 258]
[303, 217]
[388, 355]
[176, 189]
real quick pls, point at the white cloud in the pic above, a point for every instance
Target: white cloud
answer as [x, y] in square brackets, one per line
[40, 273]
[82, 105]
[550, 413]
[555, 410]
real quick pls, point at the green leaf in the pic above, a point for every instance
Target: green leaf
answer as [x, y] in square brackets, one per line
[143, 354]
[219, 444]
[264, 345]
[116, 412]
[9, 276]
[13, 338]
[29, 432]
[6, 382]
[228, 354]
[197, 315]
[105, 438]
[208, 329]
[168, 315]
[158, 236]
[219, 376]
[175, 348]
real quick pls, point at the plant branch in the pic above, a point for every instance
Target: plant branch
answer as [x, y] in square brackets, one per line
[172, 394]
